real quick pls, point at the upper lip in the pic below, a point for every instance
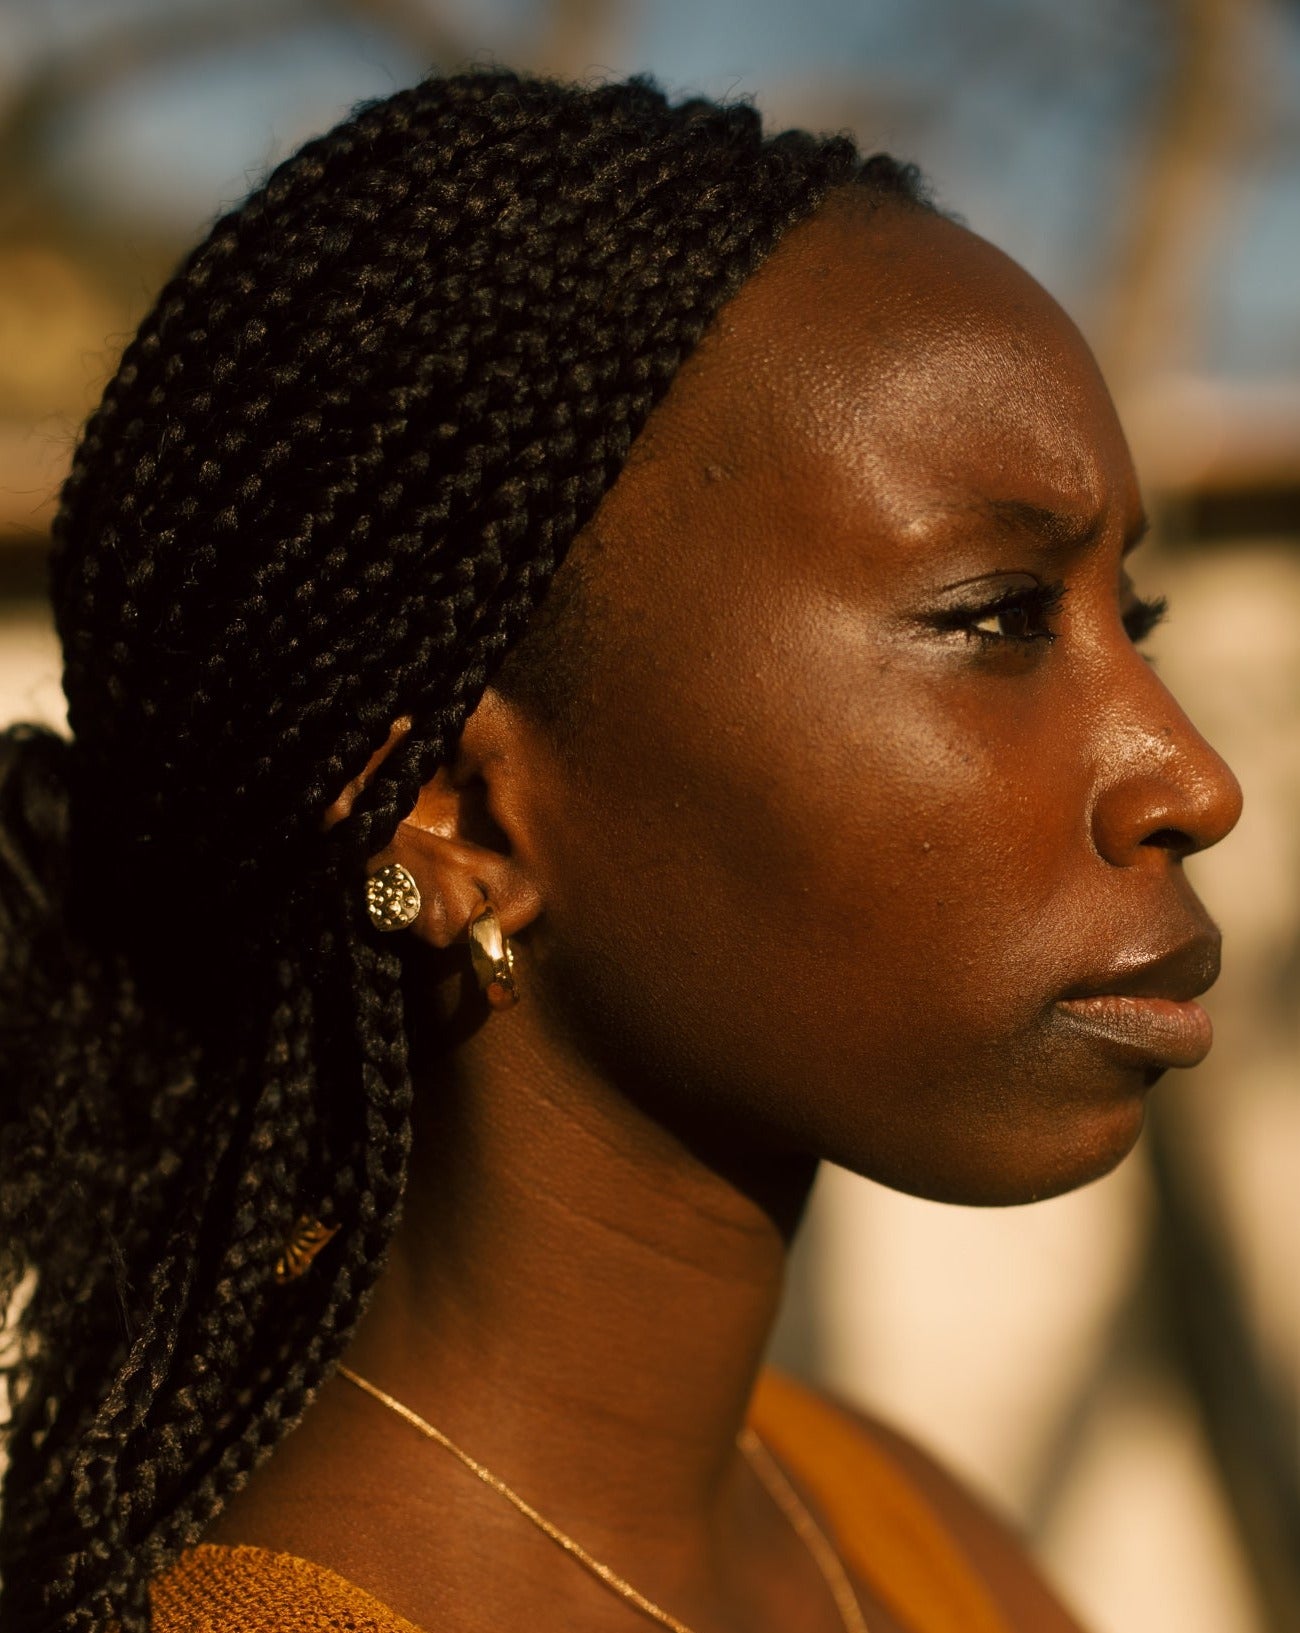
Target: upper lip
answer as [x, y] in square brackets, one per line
[1185, 973]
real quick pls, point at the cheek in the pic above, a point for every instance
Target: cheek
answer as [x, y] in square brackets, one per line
[938, 838]
[783, 848]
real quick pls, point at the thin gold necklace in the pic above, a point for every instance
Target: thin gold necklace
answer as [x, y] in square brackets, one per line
[764, 1465]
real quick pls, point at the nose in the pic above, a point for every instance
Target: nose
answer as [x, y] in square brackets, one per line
[1165, 792]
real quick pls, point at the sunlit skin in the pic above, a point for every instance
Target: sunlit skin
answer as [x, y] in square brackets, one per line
[859, 796]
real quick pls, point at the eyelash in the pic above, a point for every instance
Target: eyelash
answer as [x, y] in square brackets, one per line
[1142, 616]
[1037, 606]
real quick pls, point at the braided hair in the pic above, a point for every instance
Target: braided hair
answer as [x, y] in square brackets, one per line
[327, 487]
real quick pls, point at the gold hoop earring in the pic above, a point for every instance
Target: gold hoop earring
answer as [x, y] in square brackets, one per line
[392, 898]
[492, 957]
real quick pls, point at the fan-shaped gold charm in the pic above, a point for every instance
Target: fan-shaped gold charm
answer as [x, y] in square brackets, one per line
[308, 1238]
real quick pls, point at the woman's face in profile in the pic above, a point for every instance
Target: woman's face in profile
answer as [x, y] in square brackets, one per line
[875, 773]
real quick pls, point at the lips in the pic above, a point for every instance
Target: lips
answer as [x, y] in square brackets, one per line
[1143, 1009]
[1154, 1031]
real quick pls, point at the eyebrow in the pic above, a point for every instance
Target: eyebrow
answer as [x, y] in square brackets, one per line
[1064, 532]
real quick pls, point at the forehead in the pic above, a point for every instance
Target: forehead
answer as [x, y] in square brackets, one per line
[889, 362]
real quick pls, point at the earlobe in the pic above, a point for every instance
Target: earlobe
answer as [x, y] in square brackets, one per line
[394, 902]
[460, 856]
[453, 878]
[450, 854]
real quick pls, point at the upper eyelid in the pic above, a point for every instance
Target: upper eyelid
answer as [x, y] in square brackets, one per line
[1048, 597]
[994, 591]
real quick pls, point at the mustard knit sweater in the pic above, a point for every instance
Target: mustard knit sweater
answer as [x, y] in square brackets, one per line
[249, 1590]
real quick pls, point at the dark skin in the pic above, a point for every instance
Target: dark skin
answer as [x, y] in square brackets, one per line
[846, 819]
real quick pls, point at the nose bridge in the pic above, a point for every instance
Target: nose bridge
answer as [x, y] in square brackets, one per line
[1161, 786]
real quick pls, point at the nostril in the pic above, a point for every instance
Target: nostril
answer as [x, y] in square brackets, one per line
[1171, 839]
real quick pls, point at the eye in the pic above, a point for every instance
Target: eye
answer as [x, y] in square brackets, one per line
[1021, 615]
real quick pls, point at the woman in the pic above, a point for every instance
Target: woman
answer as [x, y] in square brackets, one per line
[419, 965]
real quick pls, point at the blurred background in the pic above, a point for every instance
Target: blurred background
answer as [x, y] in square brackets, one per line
[1119, 1369]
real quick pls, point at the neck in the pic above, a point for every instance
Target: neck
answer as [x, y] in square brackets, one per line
[577, 1295]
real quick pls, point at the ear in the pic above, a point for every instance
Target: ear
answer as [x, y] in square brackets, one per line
[462, 841]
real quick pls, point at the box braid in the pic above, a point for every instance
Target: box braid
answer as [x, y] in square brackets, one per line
[331, 479]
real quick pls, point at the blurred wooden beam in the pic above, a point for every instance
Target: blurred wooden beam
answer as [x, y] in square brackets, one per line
[1213, 106]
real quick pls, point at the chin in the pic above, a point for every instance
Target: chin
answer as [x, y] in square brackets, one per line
[1030, 1164]
[1095, 1149]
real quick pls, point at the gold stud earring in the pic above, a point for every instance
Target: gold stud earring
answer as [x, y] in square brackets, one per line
[392, 898]
[492, 957]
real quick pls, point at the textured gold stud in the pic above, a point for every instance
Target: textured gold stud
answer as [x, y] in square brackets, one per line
[392, 898]
[493, 958]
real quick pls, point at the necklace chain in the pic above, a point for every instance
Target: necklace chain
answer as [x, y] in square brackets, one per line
[807, 1529]
[761, 1460]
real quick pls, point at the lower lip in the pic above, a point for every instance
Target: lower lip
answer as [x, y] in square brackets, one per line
[1154, 1031]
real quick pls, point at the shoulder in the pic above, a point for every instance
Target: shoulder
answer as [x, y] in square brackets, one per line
[217, 1589]
[918, 1533]
[990, 1541]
